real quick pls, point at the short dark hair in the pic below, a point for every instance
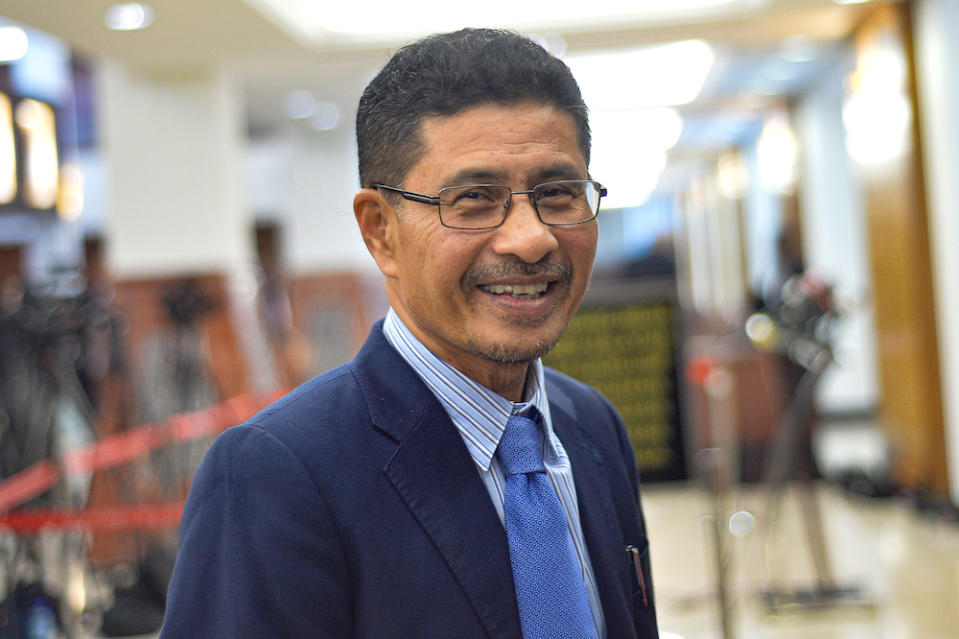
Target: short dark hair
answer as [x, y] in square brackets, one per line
[444, 74]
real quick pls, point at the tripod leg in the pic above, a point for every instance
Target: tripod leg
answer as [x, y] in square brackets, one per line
[715, 469]
[812, 516]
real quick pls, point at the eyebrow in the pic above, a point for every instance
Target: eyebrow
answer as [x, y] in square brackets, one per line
[486, 176]
[474, 176]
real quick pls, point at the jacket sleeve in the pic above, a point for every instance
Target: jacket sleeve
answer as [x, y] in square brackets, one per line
[259, 553]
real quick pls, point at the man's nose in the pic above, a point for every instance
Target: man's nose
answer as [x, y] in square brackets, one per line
[523, 234]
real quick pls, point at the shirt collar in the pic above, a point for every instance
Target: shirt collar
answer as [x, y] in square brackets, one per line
[479, 414]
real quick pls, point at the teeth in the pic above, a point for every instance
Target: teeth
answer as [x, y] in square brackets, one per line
[525, 291]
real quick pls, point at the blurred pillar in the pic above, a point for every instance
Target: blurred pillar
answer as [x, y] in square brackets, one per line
[173, 148]
[173, 145]
[302, 177]
[336, 287]
[883, 142]
[937, 51]
[835, 246]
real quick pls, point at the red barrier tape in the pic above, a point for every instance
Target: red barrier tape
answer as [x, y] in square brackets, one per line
[129, 445]
[156, 516]
[113, 451]
[28, 483]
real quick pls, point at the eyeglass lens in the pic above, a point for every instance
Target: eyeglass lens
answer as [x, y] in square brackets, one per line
[486, 206]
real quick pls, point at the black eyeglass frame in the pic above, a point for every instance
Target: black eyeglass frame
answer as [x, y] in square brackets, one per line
[435, 201]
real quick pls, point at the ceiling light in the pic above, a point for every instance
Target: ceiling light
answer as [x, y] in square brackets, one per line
[13, 43]
[384, 20]
[777, 150]
[129, 17]
[732, 175]
[386, 17]
[877, 127]
[664, 75]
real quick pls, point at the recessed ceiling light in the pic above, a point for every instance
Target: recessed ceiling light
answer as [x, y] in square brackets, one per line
[13, 43]
[129, 17]
[385, 20]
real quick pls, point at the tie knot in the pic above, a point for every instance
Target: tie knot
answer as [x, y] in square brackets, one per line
[519, 449]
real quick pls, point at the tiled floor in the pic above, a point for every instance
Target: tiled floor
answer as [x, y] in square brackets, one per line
[906, 565]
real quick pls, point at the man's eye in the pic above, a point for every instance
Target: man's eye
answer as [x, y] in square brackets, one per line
[474, 198]
[555, 192]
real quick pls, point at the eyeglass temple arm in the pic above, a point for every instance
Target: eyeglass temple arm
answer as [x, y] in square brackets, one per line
[409, 195]
[419, 197]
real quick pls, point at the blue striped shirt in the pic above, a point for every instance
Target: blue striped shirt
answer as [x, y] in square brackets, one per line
[480, 417]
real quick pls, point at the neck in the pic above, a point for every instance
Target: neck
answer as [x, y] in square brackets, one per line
[507, 380]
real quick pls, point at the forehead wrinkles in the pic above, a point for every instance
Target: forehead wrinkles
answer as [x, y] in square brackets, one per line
[480, 140]
[490, 134]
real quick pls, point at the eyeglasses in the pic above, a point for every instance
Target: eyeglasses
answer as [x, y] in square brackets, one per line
[484, 206]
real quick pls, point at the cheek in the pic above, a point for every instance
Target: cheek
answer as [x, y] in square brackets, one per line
[434, 265]
[588, 255]
[448, 258]
[581, 248]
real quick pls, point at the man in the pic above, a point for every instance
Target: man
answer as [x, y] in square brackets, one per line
[443, 483]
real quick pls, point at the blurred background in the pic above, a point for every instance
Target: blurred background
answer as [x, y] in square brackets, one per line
[773, 309]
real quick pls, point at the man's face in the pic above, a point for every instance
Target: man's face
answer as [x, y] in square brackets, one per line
[452, 287]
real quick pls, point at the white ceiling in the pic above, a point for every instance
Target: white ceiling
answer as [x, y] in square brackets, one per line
[206, 32]
[270, 61]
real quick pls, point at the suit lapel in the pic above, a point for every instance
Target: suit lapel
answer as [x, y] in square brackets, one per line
[597, 514]
[435, 476]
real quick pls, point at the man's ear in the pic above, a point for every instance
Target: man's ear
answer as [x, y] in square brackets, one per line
[377, 222]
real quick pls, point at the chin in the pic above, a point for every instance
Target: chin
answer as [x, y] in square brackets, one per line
[517, 353]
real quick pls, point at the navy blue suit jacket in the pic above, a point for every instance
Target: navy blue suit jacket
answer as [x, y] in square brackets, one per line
[352, 509]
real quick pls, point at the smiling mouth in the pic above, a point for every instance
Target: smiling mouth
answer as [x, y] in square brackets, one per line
[518, 291]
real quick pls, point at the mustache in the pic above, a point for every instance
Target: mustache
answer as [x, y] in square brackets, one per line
[502, 270]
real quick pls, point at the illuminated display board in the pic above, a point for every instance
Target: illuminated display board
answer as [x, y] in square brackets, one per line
[29, 160]
[627, 351]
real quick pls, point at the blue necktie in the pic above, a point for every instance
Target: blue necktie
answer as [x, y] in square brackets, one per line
[548, 576]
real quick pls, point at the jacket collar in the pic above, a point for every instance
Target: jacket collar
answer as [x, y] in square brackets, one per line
[434, 474]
